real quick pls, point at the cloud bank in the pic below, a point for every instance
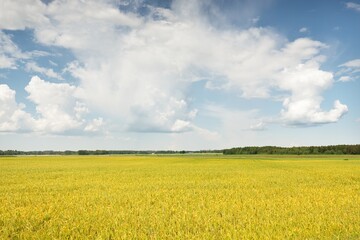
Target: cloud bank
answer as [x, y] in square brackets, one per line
[136, 68]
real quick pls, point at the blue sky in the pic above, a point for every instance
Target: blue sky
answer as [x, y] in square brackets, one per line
[84, 74]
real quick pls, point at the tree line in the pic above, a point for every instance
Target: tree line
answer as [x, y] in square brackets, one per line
[332, 149]
[101, 152]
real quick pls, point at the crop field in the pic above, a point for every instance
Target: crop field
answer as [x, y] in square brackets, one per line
[180, 197]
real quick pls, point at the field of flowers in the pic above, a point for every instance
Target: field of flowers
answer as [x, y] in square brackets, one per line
[180, 197]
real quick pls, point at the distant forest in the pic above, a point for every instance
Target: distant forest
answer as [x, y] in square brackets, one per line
[334, 149]
[101, 152]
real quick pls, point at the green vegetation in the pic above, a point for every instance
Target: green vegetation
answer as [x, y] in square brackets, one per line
[312, 150]
[100, 152]
[180, 197]
[335, 149]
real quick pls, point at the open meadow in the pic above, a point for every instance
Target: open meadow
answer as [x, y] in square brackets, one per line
[180, 197]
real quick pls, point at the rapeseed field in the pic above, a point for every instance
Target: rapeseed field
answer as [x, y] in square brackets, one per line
[180, 197]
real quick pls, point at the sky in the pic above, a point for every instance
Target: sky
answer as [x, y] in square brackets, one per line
[178, 75]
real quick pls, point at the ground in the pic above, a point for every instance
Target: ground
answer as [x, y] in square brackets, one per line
[180, 197]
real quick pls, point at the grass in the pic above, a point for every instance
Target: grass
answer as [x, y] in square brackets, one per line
[180, 197]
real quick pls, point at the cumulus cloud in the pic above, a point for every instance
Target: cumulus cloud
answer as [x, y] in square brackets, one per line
[138, 68]
[59, 110]
[303, 106]
[12, 115]
[307, 112]
[55, 103]
[58, 107]
[147, 74]
[354, 6]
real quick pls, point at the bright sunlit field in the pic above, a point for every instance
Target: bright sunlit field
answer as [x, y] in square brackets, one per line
[180, 197]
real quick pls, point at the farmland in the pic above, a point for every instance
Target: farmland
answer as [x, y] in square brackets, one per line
[180, 197]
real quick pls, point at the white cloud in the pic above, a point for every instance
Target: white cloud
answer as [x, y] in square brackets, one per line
[9, 52]
[307, 112]
[12, 115]
[234, 125]
[255, 20]
[39, 53]
[137, 69]
[6, 62]
[58, 107]
[33, 67]
[345, 79]
[303, 30]
[349, 70]
[59, 110]
[220, 15]
[159, 113]
[303, 106]
[355, 64]
[260, 126]
[354, 6]
[95, 125]
[147, 75]
[75, 20]
[21, 14]
[53, 63]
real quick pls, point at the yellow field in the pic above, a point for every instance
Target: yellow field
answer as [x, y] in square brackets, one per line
[180, 197]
